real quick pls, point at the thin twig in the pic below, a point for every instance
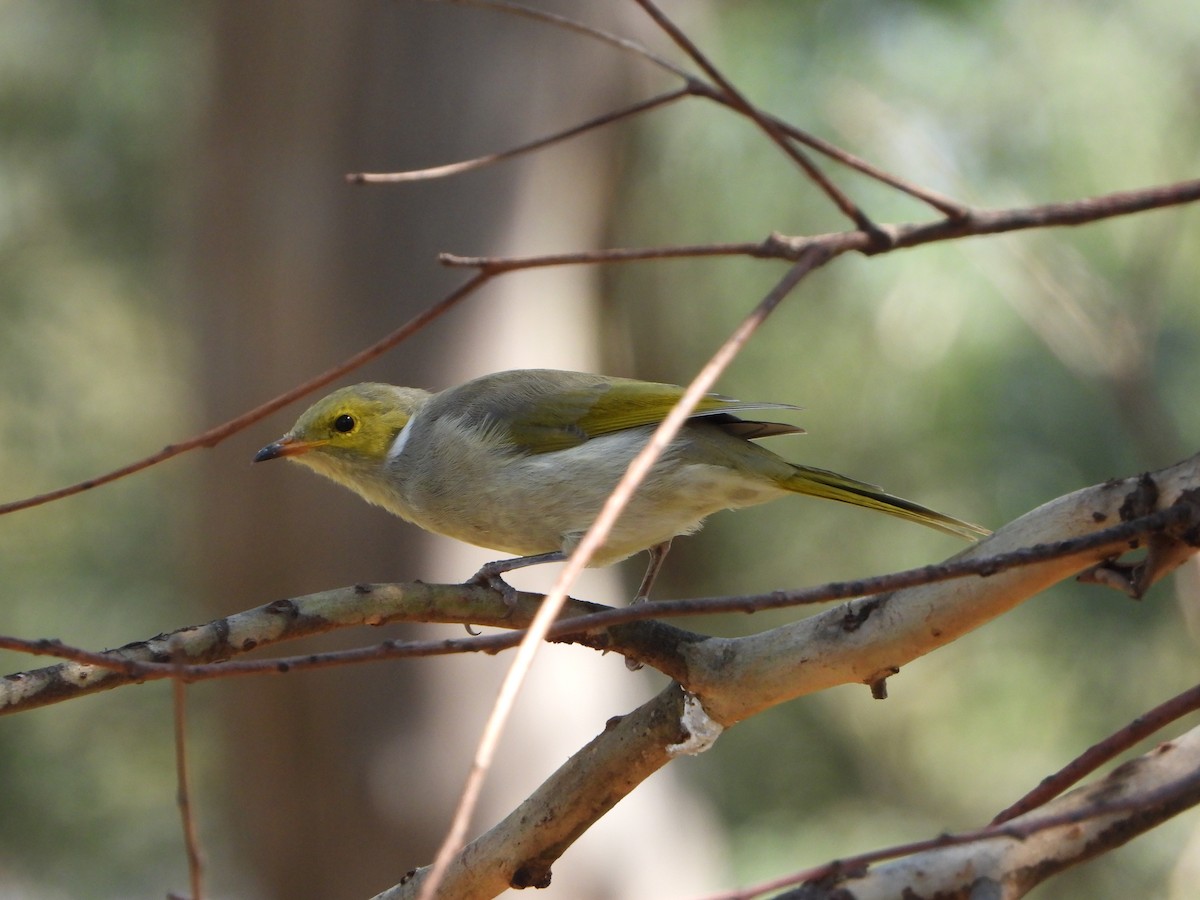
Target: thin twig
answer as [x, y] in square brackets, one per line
[191, 839]
[850, 866]
[567, 24]
[942, 203]
[588, 545]
[739, 102]
[480, 162]
[901, 236]
[59, 650]
[978, 222]
[1100, 753]
[217, 434]
[770, 248]
[938, 201]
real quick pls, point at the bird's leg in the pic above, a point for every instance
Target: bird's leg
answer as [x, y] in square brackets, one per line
[658, 555]
[489, 574]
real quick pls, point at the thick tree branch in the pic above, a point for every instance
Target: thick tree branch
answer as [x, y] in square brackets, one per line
[180, 652]
[519, 851]
[1009, 860]
[863, 641]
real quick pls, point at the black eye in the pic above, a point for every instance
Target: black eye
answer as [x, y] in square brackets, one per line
[344, 423]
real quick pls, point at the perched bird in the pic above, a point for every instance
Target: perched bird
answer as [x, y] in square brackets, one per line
[522, 462]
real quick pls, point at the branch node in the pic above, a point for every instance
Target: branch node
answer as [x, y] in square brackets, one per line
[530, 876]
[778, 245]
[879, 238]
[1167, 547]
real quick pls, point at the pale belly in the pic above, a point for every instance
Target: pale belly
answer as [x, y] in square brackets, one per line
[543, 503]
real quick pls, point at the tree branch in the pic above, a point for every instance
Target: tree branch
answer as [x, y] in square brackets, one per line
[1009, 860]
[863, 641]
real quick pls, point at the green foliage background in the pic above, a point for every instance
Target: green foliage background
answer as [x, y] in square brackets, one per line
[982, 378]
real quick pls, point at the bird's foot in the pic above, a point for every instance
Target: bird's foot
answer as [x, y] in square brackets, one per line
[489, 577]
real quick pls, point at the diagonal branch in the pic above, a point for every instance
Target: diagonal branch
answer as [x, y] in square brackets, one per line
[1105, 751]
[1009, 860]
[592, 540]
[977, 222]
[218, 433]
[860, 642]
[739, 102]
[520, 850]
[950, 207]
[866, 641]
[481, 162]
[568, 24]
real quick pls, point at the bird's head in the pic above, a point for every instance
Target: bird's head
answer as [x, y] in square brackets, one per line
[350, 430]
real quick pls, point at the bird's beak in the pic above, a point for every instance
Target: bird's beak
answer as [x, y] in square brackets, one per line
[285, 446]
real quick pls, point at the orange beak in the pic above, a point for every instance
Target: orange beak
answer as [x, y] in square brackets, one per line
[285, 447]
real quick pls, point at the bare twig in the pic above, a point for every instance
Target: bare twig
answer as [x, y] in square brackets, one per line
[905, 235]
[1104, 751]
[1020, 853]
[770, 248]
[589, 544]
[480, 162]
[217, 434]
[191, 838]
[108, 661]
[739, 102]
[947, 205]
[568, 24]
[950, 207]
[978, 222]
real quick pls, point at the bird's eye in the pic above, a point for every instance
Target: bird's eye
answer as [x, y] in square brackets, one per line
[344, 423]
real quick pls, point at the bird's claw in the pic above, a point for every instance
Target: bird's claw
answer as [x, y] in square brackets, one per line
[488, 577]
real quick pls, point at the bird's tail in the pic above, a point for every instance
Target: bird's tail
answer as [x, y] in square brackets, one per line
[832, 486]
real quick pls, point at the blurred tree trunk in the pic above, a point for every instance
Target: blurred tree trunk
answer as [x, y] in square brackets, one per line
[292, 271]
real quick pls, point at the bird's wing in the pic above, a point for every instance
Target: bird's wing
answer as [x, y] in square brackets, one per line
[541, 410]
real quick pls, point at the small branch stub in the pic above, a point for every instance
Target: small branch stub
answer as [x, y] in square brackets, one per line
[878, 682]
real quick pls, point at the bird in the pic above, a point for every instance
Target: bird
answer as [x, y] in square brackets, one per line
[522, 461]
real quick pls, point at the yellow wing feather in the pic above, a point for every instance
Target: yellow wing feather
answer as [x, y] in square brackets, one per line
[542, 410]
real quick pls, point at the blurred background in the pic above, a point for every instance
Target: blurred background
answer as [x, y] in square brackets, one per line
[177, 244]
